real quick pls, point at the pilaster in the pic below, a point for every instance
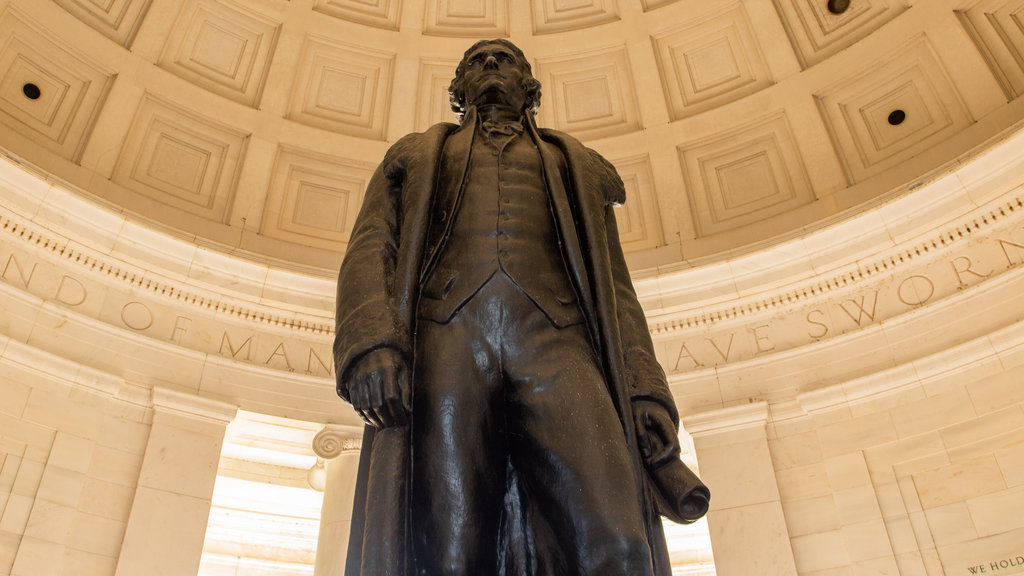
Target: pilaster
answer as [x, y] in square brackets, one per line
[748, 529]
[165, 531]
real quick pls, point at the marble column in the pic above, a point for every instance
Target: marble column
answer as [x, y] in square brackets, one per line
[341, 451]
[748, 529]
[167, 524]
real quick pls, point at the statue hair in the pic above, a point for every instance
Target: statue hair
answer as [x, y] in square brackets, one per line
[531, 86]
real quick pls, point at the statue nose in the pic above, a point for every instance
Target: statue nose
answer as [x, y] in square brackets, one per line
[491, 62]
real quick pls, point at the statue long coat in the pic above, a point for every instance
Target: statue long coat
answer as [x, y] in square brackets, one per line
[402, 224]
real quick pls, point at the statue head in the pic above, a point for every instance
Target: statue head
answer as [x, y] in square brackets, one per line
[496, 72]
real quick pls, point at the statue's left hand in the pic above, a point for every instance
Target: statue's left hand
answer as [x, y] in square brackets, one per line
[655, 432]
[379, 388]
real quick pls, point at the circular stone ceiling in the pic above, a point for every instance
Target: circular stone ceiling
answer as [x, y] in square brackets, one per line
[252, 127]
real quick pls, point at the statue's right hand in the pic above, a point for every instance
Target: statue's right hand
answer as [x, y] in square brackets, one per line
[379, 388]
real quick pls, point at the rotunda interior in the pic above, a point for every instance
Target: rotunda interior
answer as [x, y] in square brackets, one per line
[824, 224]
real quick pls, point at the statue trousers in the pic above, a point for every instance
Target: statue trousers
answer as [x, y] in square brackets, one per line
[512, 414]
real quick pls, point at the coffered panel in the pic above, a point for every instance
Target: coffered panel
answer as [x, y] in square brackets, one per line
[892, 110]
[709, 62]
[590, 95]
[481, 18]
[314, 198]
[379, 13]
[432, 102]
[997, 27]
[342, 88]
[116, 19]
[181, 159]
[639, 218]
[48, 91]
[222, 47]
[744, 175]
[560, 15]
[652, 4]
[818, 33]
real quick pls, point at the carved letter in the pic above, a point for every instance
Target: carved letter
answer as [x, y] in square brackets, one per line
[861, 311]
[725, 355]
[684, 352]
[966, 269]
[180, 327]
[140, 319]
[75, 299]
[21, 272]
[1003, 244]
[920, 297]
[226, 340]
[279, 351]
[309, 362]
[762, 338]
[824, 327]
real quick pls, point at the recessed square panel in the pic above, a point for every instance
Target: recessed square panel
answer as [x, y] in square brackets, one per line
[470, 18]
[224, 47]
[377, 13]
[817, 33]
[48, 92]
[342, 88]
[220, 50]
[639, 218]
[319, 206]
[997, 27]
[432, 102]
[118, 20]
[744, 175]
[709, 62]
[173, 163]
[892, 110]
[591, 95]
[53, 93]
[551, 16]
[649, 5]
[592, 99]
[749, 180]
[341, 91]
[181, 159]
[314, 198]
[878, 116]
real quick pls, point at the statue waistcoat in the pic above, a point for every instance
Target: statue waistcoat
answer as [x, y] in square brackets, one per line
[503, 225]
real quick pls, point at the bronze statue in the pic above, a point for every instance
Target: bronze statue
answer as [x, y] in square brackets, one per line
[489, 335]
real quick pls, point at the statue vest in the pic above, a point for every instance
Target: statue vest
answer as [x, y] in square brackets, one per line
[504, 225]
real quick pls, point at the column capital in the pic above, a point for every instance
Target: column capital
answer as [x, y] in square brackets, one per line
[332, 441]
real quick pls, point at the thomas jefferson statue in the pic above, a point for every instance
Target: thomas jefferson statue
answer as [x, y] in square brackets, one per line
[489, 335]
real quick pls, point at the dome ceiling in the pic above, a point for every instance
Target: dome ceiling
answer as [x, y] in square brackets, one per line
[252, 127]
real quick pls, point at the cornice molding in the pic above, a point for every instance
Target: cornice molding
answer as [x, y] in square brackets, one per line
[725, 420]
[192, 406]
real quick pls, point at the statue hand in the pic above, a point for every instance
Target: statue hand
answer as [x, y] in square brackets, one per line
[655, 433]
[379, 388]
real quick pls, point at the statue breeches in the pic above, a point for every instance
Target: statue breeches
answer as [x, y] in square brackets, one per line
[514, 437]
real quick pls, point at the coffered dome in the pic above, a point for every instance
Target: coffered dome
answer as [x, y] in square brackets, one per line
[254, 126]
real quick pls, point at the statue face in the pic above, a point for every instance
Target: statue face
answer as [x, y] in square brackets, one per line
[493, 75]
